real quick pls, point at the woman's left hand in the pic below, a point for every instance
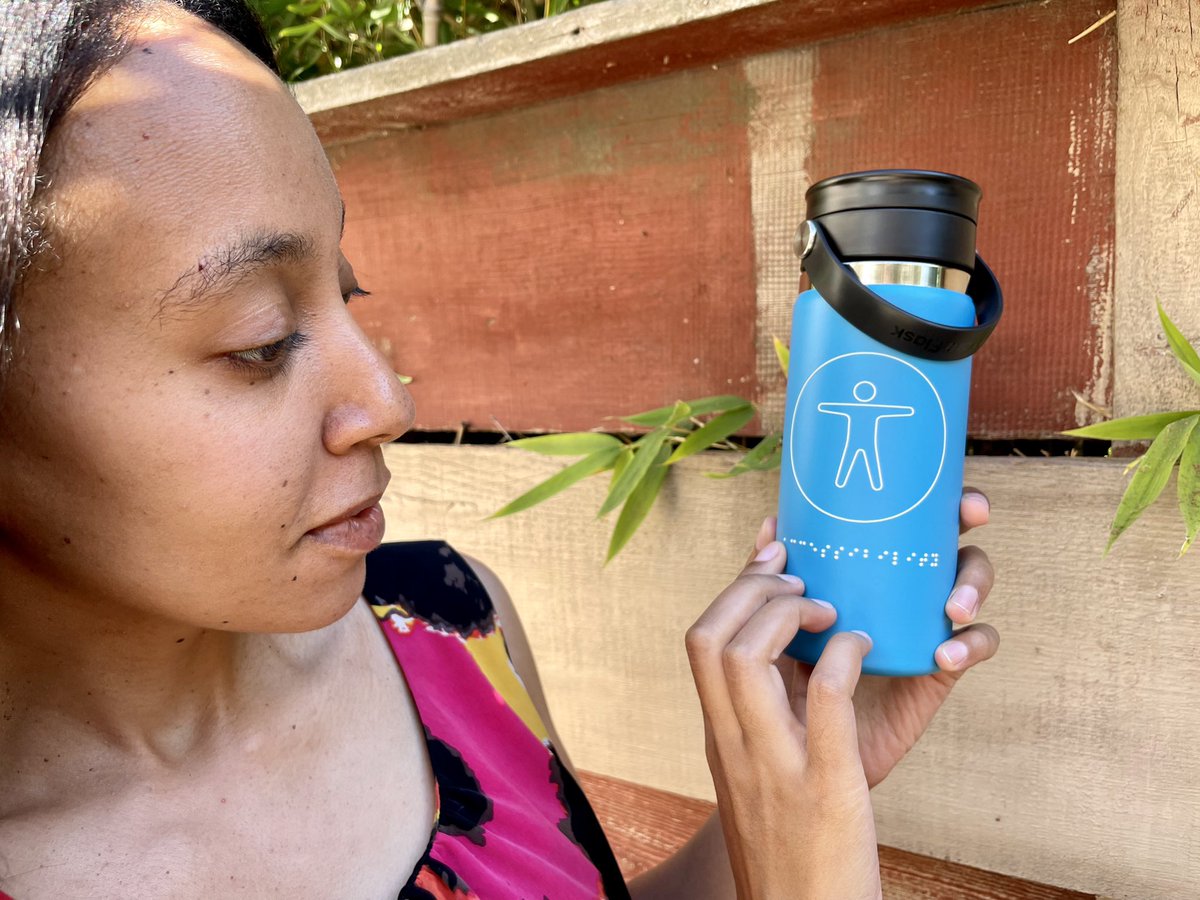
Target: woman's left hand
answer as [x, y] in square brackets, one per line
[892, 713]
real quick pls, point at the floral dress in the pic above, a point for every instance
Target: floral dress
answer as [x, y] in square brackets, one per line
[511, 821]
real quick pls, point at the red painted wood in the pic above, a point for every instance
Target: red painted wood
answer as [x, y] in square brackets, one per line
[547, 267]
[645, 826]
[999, 96]
[552, 266]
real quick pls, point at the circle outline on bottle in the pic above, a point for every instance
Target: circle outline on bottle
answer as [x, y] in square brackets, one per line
[795, 417]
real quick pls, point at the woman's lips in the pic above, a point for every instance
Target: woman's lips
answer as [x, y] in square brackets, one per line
[359, 533]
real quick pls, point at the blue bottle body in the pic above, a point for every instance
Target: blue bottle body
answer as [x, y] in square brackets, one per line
[871, 478]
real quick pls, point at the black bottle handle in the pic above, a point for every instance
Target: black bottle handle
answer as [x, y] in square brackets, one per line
[891, 326]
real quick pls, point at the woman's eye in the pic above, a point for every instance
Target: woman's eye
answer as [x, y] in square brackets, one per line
[355, 291]
[269, 359]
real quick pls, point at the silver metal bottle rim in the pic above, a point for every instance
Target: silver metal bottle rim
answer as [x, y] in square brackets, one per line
[911, 273]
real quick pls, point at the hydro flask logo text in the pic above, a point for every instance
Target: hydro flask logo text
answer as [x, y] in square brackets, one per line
[933, 345]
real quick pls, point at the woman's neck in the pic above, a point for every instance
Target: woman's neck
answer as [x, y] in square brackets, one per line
[105, 678]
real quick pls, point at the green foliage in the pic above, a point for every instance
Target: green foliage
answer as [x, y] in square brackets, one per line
[318, 37]
[1175, 438]
[639, 466]
[599, 461]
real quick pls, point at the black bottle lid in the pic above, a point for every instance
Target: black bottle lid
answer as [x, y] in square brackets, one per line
[899, 214]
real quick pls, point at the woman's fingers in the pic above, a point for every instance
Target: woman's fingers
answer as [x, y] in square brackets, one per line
[707, 639]
[757, 691]
[971, 586]
[766, 534]
[832, 732]
[973, 510]
[967, 648]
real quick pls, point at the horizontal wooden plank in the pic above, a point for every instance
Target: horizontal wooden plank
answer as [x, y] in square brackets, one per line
[1068, 760]
[645, 826]
[598, 46]
[1000, 97]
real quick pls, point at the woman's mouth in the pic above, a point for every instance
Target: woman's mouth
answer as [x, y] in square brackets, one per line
[358, 532]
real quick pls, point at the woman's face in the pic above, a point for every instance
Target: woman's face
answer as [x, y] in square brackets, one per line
[191, 397]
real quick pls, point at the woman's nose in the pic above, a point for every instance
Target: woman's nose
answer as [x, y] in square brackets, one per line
[369, 404]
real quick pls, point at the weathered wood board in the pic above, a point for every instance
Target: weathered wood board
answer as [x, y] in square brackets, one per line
[1070, 759]
[598, 46]
[1157, 211]
[547, 266]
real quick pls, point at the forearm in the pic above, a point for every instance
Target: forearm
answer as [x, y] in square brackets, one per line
[699, 870]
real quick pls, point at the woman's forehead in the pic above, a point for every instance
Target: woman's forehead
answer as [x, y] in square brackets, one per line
[187, 140]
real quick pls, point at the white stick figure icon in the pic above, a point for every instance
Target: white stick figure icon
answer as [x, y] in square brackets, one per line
[867, 415]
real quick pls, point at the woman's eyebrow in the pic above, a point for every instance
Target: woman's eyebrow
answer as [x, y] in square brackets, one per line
[219, 270]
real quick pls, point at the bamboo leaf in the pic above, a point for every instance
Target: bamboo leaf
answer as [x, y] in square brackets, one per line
[1188, 488]
[1151, 475]
[639, 504]
[620, 465]
[782, 353]
[308, 28]
[763, 457]
[589, 465]
[1184, 351]
[715, 429]
[704, 406]
[1131, 428]
[645, 450]
[571, 444]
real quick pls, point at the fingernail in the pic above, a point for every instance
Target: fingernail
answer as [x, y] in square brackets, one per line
[966, 598]
[792, 579]
[865, 635]
[955, 653]
[824, 603]
[768, 552]
[979, 499]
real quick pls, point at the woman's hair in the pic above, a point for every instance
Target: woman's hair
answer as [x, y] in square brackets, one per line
[50, 51]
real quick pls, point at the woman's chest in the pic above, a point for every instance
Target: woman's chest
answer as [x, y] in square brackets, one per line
[336, 803]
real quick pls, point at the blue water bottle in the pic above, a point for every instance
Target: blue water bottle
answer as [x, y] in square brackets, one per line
[876, 417]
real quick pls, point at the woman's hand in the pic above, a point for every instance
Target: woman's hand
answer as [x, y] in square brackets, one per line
[794, 803]
[892, 713]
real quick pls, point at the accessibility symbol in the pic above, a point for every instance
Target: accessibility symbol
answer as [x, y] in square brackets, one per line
[867, 436]
[862, 431]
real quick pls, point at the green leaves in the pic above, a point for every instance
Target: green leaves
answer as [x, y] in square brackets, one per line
[599, 461]
[782, 353]
[644, 457]
[717, 429]
[1131, 428]
[1188, 488]
[670, 415]
[1175, 438]
[1184, 352]
[639, 466]
[568, 444]
[638, 505]
[317, 37]
[1151, 475]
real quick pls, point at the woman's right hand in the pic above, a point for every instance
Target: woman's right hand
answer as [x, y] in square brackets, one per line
[793, 800]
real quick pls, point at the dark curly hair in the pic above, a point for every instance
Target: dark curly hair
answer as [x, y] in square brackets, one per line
[50, 51]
